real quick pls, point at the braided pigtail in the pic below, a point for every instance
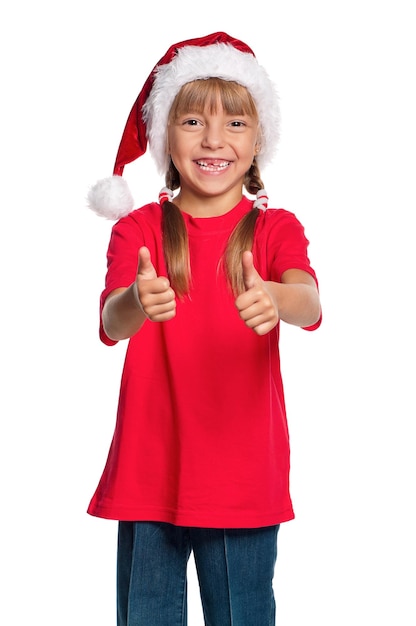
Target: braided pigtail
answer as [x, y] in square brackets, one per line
[175, 237]
[242, 237]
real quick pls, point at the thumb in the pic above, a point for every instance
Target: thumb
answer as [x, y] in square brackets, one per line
[146, 269]
[250, 274]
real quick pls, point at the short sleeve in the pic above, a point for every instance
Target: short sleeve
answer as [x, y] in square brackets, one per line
[122, 258]
[285, 245]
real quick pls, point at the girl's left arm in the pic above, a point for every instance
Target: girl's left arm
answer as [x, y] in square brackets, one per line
[296, 297]
[295, 300]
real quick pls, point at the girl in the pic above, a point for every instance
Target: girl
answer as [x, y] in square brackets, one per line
[198, 283]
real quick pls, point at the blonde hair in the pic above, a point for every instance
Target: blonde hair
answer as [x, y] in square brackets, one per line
[196, 96]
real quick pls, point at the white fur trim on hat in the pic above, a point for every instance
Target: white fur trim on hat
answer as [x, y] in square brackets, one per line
[221, 60]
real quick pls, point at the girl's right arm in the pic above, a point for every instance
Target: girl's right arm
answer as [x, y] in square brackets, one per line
[149, 297]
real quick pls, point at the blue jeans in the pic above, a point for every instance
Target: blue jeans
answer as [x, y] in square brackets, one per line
[235, 569]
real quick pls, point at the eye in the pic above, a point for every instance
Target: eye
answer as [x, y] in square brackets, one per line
[190, 122]
[237, 124]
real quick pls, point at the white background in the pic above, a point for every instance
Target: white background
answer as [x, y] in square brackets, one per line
[346, 166]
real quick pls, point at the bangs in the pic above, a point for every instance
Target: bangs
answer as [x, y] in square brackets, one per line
[205, 94]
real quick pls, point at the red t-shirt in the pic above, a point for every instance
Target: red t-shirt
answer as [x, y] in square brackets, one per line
[201, 436]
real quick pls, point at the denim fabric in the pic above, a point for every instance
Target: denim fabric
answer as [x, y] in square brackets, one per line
[235, 570]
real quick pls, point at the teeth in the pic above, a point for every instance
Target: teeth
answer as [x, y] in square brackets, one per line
[213, 166]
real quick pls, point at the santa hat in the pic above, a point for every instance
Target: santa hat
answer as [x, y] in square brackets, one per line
[216, 55]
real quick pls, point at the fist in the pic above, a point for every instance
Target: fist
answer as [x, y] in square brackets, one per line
[156, 297]
[256, 305]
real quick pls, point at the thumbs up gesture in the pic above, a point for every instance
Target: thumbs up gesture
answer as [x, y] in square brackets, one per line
[155, 295]
[256, 305]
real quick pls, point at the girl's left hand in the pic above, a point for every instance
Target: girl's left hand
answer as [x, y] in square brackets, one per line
[257, 306]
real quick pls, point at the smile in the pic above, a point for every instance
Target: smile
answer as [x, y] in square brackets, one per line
[213, 166]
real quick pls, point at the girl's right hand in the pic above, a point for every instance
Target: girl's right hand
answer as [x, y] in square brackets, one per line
[155, 295]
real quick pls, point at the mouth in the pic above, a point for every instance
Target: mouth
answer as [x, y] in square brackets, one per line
[213, 165]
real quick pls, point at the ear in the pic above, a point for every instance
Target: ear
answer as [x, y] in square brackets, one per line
[257, 145]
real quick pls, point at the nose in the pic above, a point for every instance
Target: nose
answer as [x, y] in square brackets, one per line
[213, 136]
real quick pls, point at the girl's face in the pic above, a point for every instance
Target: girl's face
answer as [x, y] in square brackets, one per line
[212, 151]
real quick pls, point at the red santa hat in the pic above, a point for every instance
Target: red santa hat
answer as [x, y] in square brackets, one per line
[216, 55]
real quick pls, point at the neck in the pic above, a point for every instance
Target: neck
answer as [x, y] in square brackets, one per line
[197, 206]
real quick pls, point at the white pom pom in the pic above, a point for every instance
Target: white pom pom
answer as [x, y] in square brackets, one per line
[111, 198]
